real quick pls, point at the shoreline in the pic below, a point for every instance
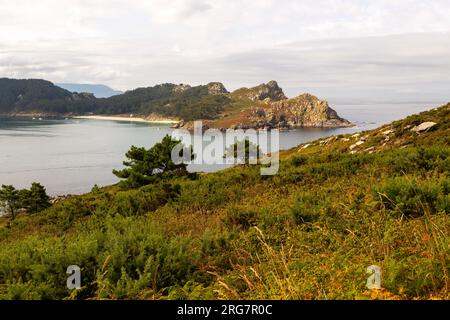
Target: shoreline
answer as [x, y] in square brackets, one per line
[123, 118]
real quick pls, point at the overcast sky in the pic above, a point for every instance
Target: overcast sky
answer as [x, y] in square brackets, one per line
[338, 49]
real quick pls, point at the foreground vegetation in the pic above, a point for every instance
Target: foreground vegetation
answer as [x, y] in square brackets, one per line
[337, 206]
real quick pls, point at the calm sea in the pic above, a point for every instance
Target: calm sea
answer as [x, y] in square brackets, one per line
[70, 156]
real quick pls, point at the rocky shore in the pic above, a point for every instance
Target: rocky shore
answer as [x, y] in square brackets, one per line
[269, 108]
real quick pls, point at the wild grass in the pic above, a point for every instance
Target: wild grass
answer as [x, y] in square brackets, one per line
[309, 232]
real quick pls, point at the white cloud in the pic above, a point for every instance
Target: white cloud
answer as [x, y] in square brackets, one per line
[134, 43]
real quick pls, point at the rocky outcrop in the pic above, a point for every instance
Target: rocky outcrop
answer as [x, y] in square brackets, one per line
[270, 91]
[181, 87]
[265, 92]
[59, 198]
[189, 125]
[425, 126]
[266, 107]
[303, 111]
[216, 88]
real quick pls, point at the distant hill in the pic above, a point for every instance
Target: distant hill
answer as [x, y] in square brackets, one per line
[263, 106]
[98, 90]
[35, 95]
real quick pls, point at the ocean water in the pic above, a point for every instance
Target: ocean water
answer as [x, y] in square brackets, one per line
[70, 156]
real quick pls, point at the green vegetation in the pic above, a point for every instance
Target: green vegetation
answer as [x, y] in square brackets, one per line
[32, 201]
[147, 166]
[244, 151]
[168, 100]
[309, 232]
[189, 104]
[243, 108]
[41, 96]
[9, 198]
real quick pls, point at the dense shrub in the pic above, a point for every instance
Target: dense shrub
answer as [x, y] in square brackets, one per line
[421, 159]
[305, 210]
[309, 232]
[144, 200]
[413, 196]
[242, 217]
[122, 260]
[299, 160]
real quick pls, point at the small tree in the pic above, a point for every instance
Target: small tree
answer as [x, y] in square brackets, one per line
[9, 197]
[146, 166]
[35, 199]
[250, 149]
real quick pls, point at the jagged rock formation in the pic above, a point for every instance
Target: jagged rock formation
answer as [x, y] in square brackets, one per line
[266, 107]
[216, 88]
[305, 110]
[270, 91]
[264, 92]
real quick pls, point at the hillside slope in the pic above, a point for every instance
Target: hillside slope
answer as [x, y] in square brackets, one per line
[264, 106]
[337, 206]
[40, 96]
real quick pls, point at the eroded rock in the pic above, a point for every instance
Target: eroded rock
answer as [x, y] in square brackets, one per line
[216, 88]
[305, 110]
[425, 126]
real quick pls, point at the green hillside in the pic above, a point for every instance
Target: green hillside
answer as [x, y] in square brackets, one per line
[260, 107]
[33, 95]
[170, 100]
[336, 206]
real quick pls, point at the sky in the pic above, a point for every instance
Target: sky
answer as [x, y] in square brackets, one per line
[340, 50]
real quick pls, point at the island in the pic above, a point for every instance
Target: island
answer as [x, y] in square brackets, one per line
[261, 107]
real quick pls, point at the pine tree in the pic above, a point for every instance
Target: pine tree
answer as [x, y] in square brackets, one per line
[9, 197]
[35, 199]
[146, 166]
[248, 149]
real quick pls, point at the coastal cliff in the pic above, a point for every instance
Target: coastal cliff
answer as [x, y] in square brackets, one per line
[267, 107]
[305, 110]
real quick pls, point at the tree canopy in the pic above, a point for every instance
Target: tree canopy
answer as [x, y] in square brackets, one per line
[32, 200]
[146, 166]
[9, 198]
[33, 95]
[243, 151]
[35, 199]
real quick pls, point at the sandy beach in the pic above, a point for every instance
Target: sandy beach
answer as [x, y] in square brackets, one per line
[124, 118]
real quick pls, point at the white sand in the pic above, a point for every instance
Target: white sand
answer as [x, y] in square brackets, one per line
[121, 118]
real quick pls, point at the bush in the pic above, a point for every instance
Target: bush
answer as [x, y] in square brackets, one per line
[137, 256]
[305, 210]
[413, 197]
[424, 159]
[298, 161]
[205, 194]
[123, 259]
[144, 200]
[242, 217]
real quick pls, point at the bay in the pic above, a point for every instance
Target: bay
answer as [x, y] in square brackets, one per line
[69, 156]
